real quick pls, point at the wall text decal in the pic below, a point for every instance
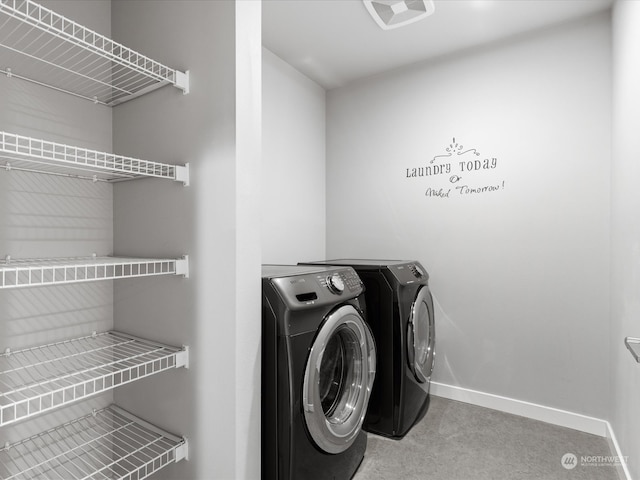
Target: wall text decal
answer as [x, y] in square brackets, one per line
[457, 169]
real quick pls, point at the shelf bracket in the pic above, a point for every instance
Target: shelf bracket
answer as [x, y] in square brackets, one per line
[182, 357]
[182, 81]
[633, 344]
[182, 174]
[182, 451]
[182, 266]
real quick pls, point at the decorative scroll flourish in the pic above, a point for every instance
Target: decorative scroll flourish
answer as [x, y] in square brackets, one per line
[454, 148]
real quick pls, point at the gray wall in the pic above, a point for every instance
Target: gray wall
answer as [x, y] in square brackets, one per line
[520, 271]
[293, 120]
[216, 403]
[625, 231]
[45, 216]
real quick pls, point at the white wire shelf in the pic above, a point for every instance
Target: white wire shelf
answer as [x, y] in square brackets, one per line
[58, 271]
[108, 444]
[41, 156]
[39, 379]
[46, 48]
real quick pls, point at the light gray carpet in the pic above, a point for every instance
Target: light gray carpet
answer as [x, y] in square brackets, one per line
[458, 441]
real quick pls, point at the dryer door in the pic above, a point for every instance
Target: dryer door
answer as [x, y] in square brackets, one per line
[421, 336]
[338, 378]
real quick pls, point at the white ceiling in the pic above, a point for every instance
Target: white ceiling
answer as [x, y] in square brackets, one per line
[336, 41]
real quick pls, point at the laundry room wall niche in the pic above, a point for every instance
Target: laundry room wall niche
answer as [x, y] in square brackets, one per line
[513, 266]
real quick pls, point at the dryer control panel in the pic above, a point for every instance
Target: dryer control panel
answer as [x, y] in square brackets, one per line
[324, 287]
[408, 273]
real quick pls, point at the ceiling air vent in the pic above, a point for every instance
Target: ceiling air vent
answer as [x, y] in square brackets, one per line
[396, 13]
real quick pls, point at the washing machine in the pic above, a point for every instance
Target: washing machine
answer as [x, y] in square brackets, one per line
[318, 367]
[399, 310]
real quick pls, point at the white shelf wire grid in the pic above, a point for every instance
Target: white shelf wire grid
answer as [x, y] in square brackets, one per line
[58, 271]
[46, 48]
[107, 444]
[41, 156]
[43, 378]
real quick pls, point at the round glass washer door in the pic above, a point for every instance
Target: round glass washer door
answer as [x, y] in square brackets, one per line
[338, 379]
[421, 336]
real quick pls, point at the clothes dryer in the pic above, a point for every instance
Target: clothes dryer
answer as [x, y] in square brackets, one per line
[399, 310]
[318, 367]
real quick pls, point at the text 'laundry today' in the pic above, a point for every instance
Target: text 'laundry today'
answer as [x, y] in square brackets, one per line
[446, 168]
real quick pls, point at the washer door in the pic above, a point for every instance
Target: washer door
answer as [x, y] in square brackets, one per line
[338, 379]
[421, 336]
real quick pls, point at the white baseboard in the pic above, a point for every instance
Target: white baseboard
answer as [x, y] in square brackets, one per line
[623, 468]
[551, 415]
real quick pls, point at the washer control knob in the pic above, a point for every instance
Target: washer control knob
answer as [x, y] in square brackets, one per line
[335, 283]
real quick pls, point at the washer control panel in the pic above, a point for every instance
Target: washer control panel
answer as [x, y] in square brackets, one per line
[323, 287]
[339, 281]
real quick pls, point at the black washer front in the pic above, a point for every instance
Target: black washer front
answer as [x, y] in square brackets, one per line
[318, 366]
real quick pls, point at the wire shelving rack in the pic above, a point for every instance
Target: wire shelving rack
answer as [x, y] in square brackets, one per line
[40, 46]
[59, 271]
[43, 47]
[42, 156]
[39, 379]
[107, 444]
